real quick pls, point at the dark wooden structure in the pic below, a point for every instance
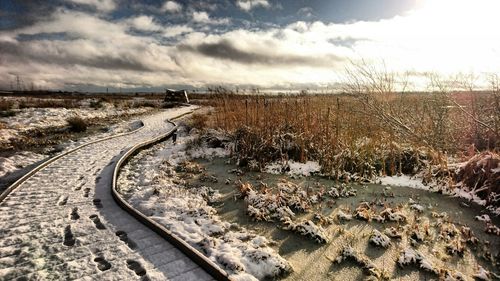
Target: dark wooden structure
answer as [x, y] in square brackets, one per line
[176, 96]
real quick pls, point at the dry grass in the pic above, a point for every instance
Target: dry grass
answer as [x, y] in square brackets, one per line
[374, 128]
[47, 103]
[346, 134]
[481, 175]
[77, 124]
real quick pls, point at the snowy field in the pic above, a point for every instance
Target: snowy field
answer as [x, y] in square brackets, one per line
[26, 120]
[63, 224]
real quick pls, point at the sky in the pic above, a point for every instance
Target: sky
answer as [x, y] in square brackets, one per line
[91, 45]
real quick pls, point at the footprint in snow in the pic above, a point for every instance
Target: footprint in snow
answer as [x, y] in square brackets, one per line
[97, 222]
[124, 237]
[102, 263]
[79, 186]
[86, 192]
[74, 214]
[62, 200]
[69, 238]
[97, 203]
[136, 267]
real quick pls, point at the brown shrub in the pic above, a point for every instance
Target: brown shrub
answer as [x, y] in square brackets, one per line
[77, 124]
[6, 105]
[198, 121]
[481, 174]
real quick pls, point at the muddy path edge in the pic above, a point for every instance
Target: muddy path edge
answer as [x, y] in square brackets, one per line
[209, 266]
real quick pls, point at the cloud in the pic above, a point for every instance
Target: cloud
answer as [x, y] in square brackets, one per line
[203, 17]
[100, 5]
[144, 23]
[65, 54]
[247, 5]
[171, 7]
[67, 48]
[227, 50]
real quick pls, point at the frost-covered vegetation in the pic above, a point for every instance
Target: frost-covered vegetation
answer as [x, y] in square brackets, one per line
[27, 122]
[373, 129]
[189, 211]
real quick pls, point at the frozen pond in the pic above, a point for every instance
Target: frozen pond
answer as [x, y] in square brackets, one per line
[313, 261]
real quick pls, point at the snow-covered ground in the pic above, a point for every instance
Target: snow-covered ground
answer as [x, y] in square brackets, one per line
[12, 167]
[40, 118]
[27, 119]
[153, 184]
[18, 161]
[403, 181]
[63, 224]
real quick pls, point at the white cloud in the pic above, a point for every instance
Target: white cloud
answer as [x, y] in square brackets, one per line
[144, 23]
[247, 5]
[100, 5]
[103, 52]
[171, 7]
[203, 17]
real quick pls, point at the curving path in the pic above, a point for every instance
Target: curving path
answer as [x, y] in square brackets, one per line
[63, 224]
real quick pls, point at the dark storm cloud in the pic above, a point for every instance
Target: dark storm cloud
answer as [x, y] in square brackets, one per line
[59, 56]
[225, 49]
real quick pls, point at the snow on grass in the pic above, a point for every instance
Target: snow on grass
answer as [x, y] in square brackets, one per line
[18, 161]
[15, 163]
[294, 168]
[152, 184]
[27, 119]
[482, 274]
[379, 239]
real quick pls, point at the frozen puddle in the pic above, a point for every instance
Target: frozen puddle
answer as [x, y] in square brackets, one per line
[439, 228]
[62, 223]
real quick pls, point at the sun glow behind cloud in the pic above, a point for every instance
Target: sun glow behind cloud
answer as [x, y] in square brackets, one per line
[442, 35]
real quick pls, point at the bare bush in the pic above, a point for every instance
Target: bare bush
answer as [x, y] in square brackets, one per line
[6, 104]
[77, 124]
[198, 121]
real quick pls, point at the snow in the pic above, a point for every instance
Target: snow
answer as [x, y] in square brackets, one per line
[460, 191]
[33, 240]
[483, 217]
[402, 181]
[18, 161]
[482, 274]
[417, 207]
[343, 216]
[152, 184]
[379, 239]
[27, 119]
[11, 165]
[295, 168]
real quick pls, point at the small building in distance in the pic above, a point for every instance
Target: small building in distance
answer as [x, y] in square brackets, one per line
[179, 96]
